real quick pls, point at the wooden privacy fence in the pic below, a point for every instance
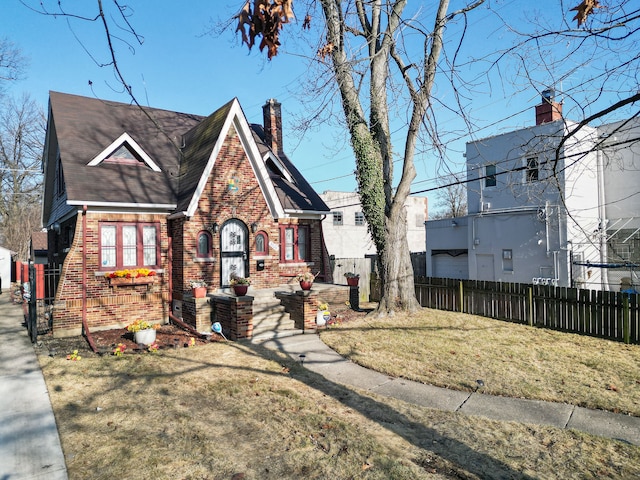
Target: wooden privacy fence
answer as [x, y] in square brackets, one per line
[611, 315]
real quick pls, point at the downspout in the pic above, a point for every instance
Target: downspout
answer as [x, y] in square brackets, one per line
[85, 326]
[326, 260]
[170, 269]
[604, 275]
[546, 227]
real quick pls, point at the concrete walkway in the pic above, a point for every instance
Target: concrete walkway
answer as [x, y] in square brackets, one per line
[29, 442]
[320, 359]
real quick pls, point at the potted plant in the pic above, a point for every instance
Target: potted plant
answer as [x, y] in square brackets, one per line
[240, 285]
[198, 288]
[323, 315]
[352, 279]
[306, 279]
[144, 332]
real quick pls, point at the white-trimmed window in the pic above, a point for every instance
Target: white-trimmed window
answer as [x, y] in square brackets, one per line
[129, 245]
[294, 243]
[337, 218]
[507, 260]
[359, 219]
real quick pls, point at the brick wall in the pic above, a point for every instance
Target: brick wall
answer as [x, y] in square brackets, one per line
[235, 315]
[197, 313]
[106, 306]
[217, 205]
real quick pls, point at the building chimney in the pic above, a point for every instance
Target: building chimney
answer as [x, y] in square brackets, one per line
[549, 110]
[272, 115]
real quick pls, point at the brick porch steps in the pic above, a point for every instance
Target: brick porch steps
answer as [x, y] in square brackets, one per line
[270, 318]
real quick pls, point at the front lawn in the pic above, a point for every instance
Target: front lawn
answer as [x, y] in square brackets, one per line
[237, 411]
[455, 350]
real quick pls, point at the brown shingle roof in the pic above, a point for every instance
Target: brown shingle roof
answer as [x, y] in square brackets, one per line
[39, 241]
[296, 194]
[85, 127]
[199, 143]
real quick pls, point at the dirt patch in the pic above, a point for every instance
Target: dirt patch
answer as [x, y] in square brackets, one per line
[167, 337]
[345, 315]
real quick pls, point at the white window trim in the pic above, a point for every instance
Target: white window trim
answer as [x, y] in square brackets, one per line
[117, 143]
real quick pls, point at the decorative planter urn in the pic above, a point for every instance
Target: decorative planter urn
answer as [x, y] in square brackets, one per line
[353, 281]
[305, 285]
[199, 292]
[322, 317]
[145, 337]
[240, 290]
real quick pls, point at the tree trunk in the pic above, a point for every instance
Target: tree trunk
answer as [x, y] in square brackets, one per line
[396, 271]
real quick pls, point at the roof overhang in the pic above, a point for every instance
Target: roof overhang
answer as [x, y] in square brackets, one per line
[154, 206]
[306, 213]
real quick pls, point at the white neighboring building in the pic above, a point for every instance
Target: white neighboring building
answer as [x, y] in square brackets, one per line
[544, 210]
[5, 268]
[345, 228]
[621, 171]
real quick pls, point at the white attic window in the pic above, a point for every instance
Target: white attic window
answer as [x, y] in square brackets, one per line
[126, 151]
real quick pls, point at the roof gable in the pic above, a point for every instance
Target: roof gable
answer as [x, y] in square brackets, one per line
[119, 148]
[202, 149]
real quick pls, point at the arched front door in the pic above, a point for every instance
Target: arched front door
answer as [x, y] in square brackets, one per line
[234, 251]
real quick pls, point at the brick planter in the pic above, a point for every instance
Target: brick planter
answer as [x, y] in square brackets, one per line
[235, 315]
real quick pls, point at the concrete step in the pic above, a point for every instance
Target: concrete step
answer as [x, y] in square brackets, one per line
[270, 319]
[267, 310]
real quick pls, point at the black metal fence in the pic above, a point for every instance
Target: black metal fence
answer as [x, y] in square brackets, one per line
[40, 293]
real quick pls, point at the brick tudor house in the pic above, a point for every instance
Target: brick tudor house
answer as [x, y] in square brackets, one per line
[186, 196]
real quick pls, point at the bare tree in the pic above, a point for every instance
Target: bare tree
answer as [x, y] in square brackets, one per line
[373, 61]
[12, 62]
[451, 198]
[22, 126]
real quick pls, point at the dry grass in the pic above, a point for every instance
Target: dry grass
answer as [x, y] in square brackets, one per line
[454, 350]
[234, 411]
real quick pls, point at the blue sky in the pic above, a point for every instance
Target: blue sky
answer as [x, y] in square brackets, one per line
[180, 67]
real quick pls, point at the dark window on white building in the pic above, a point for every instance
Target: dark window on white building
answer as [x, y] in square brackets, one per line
[490, 176]
[533, 170]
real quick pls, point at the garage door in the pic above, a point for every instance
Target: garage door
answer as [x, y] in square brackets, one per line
[446, 266]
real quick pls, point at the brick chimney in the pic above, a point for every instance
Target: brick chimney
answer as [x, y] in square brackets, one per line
[272, 115]
[549, 110]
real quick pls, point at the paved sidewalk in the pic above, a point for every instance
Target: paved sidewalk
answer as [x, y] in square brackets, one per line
[319, 358]
[29, 442]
